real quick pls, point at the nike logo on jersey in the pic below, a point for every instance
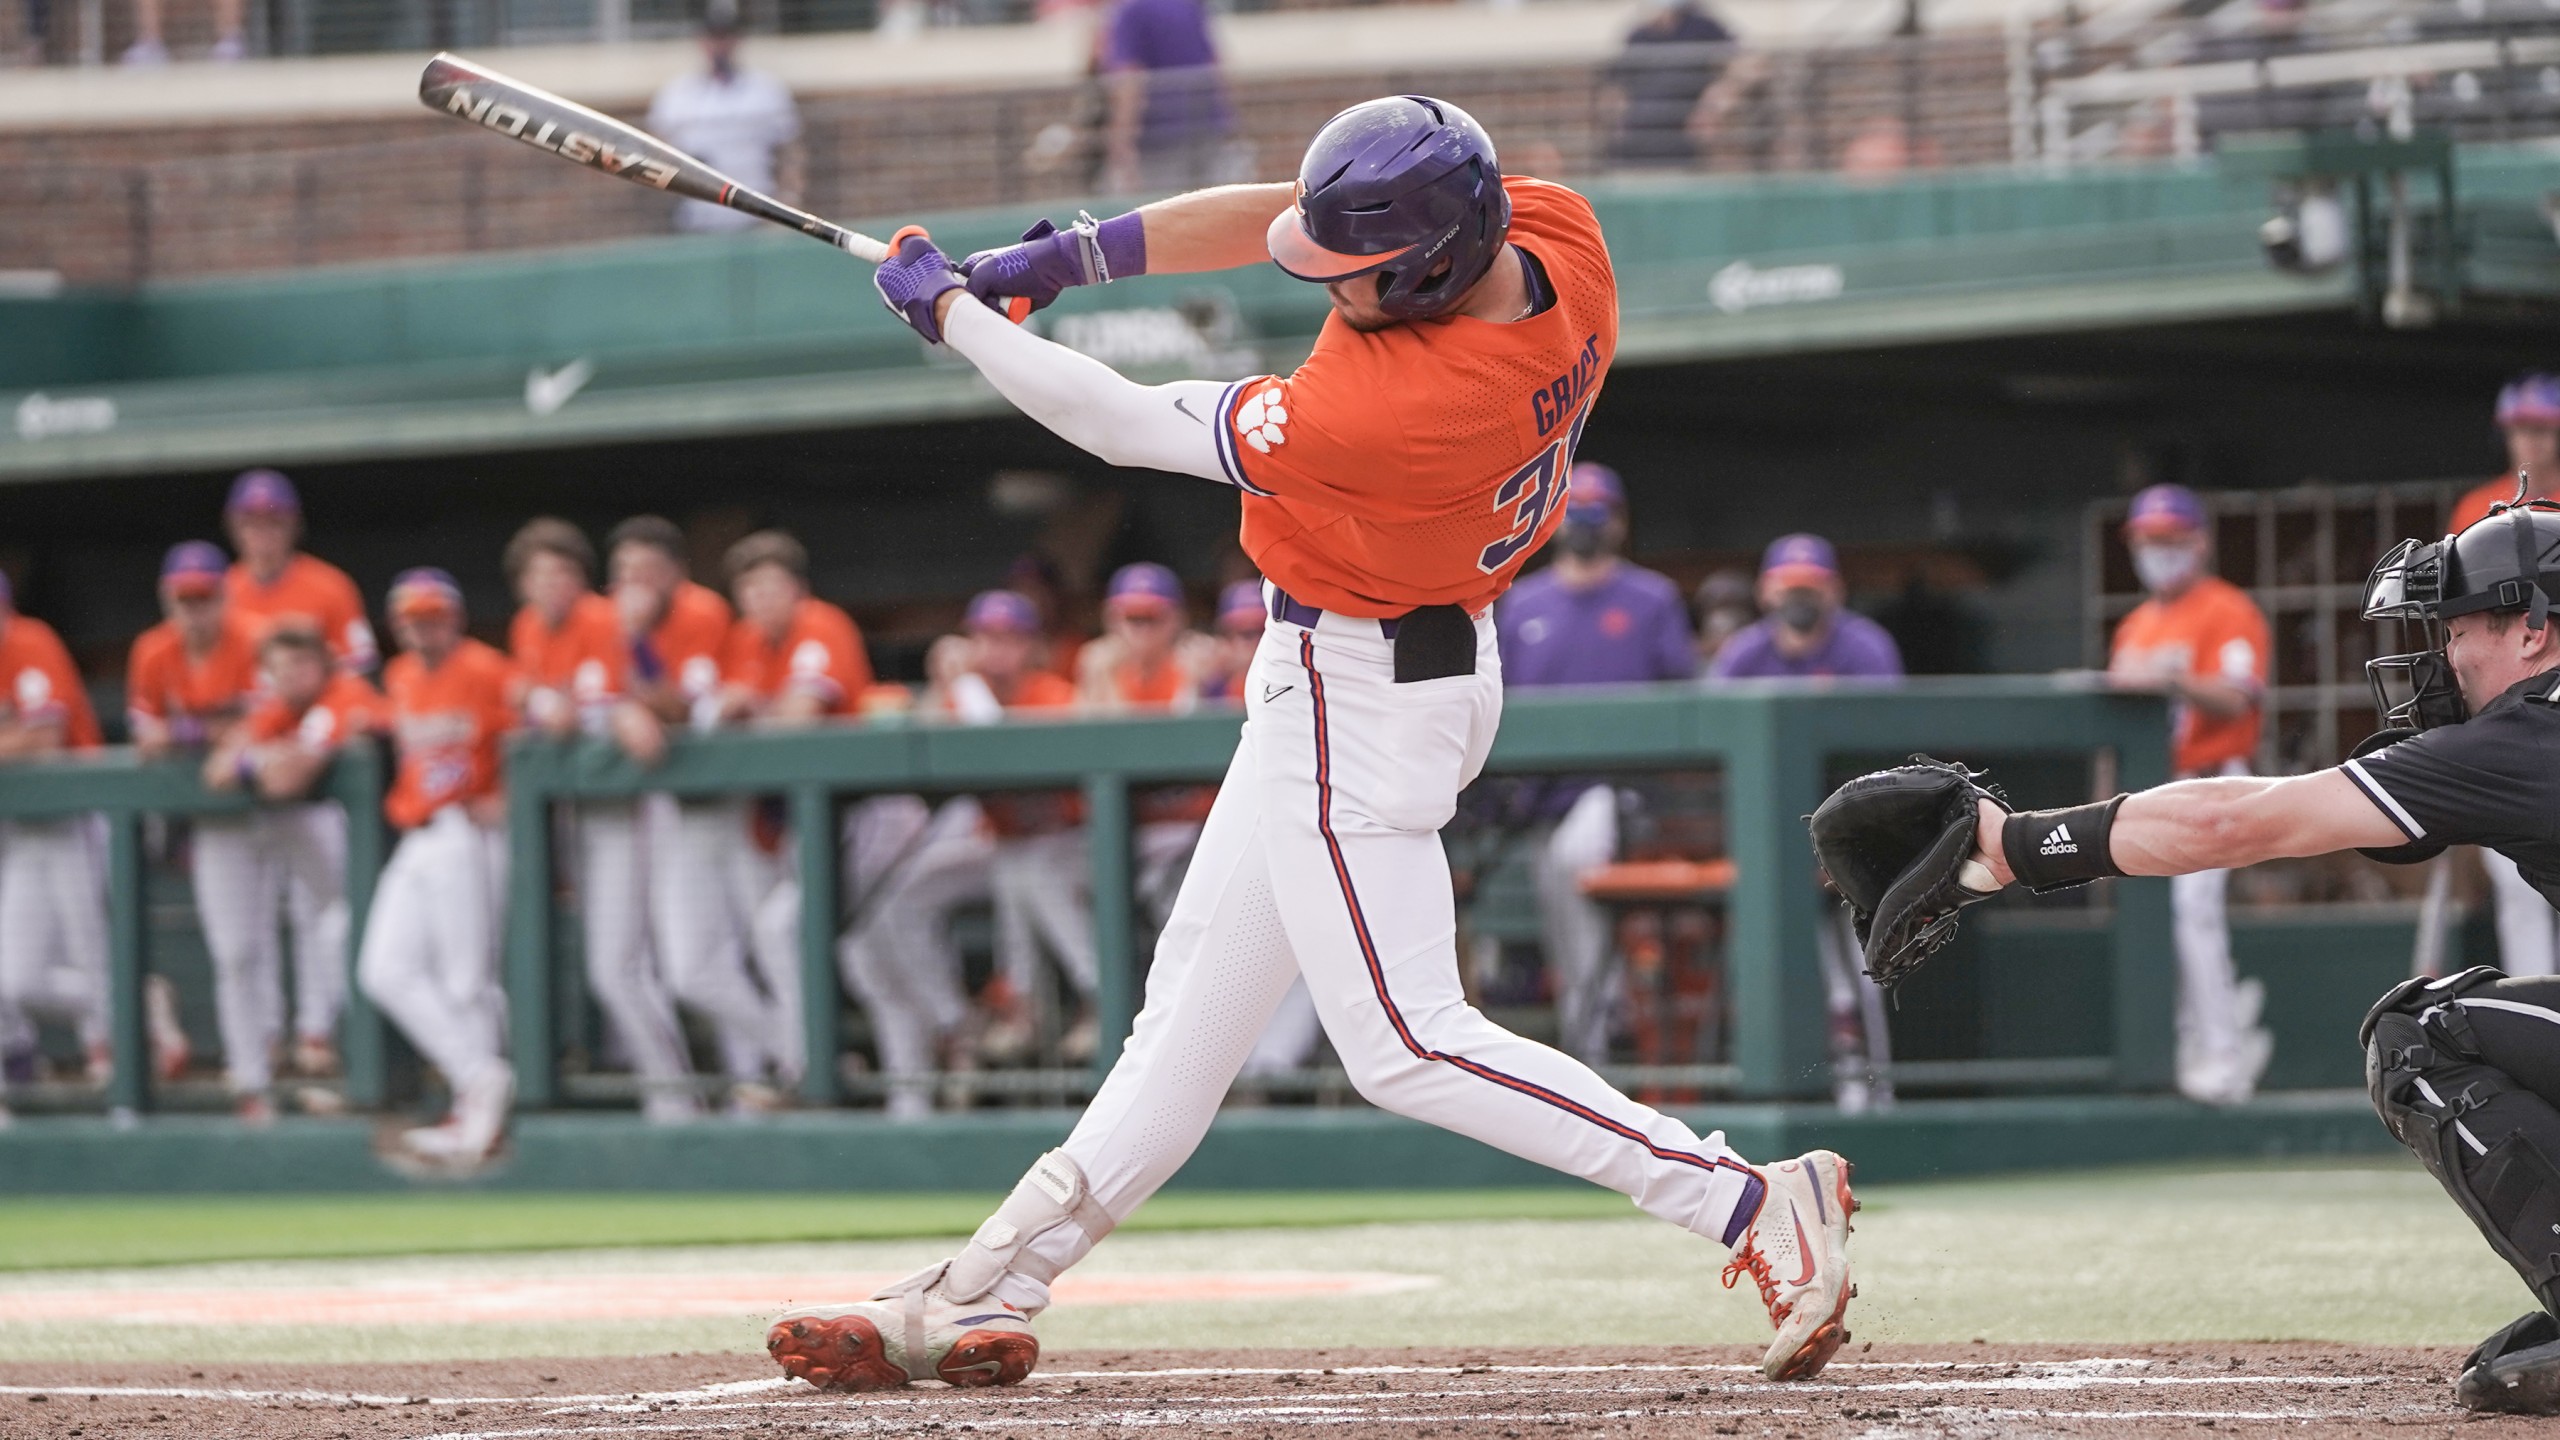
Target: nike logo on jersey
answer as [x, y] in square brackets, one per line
[1274, 692]
[2059, 842]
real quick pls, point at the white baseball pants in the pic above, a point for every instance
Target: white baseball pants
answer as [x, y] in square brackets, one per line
[1040, 883]
[1323, 859]
[613, 916]
[701, 927]
[2526, 921]
[53, 928]
[240, 866]
[898, 958]
[430, 954]
[876, 834]
[1574, 929]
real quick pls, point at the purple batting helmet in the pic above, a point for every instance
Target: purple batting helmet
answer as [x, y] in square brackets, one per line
[1002, 610]
[1406, 186]
[2165, 510]
[2530, 400]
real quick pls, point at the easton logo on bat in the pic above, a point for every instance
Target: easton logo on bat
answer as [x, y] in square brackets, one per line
[518, 123]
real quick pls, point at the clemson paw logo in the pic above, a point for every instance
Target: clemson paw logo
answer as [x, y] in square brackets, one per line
[1259, 419]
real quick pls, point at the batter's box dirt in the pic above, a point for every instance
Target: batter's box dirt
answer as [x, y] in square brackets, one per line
[1880, 1393]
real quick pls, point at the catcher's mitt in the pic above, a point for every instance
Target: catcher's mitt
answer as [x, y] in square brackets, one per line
[1898, 844]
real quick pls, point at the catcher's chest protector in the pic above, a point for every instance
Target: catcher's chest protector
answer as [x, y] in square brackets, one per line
[2486, 1139]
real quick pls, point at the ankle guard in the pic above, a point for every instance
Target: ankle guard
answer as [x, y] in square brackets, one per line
[2486, 1139]
[1051, 1194]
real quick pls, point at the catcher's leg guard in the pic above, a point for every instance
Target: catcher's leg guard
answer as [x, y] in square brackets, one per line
[2516, 1370]
[2486, 1139]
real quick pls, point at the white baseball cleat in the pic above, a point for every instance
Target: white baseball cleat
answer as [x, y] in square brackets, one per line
[1797, 1250]
[908, 1332]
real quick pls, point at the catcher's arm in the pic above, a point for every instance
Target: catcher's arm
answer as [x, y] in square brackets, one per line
[2219, 823]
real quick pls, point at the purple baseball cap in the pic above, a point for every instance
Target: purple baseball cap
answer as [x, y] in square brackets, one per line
[1593, 490]
[1145, 586]
[1240, 607]
[424, 589]
[2165, 510]
[264, 491]
[1799, 559]
[1002, 610]
[2530, 400]
[193, 568]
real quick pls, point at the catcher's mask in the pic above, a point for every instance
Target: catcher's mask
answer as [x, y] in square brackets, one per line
[2508, 561]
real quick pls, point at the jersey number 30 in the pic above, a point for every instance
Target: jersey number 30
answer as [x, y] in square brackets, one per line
[1528, 495]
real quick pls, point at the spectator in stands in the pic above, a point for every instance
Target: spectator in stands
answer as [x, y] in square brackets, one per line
[230, 36]
[2529, 417]
[675, 631]
[1677, 81]
[53, 902]
[739, 121]
[1725, 609]
[575, 665]
[429, 961]
[1805, 630]
[792, 660]
[188, 680]
[306, 710]
[1171, 127]
[1591, 617]
[2202, 639]
[273, 580]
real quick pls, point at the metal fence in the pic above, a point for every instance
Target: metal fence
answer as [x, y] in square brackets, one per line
[1771, 744]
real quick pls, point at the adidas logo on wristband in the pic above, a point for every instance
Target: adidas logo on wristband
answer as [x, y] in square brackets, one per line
[2059, 842]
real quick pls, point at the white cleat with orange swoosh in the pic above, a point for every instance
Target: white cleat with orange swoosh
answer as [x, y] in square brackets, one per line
[1797, 1249]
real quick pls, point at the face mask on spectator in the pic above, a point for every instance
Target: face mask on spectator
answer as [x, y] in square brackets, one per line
[2164, 567]
[1801, 610]
[1583, 539]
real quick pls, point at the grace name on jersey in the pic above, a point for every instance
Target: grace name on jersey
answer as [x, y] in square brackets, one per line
[1555, 404]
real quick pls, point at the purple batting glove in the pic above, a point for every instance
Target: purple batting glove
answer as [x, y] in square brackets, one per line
[1050, 260]
[912, 278]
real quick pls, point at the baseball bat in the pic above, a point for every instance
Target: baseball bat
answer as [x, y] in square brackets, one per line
[453, 86]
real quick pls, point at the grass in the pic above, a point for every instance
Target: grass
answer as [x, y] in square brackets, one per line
[89, 1231]
[2303, 1251]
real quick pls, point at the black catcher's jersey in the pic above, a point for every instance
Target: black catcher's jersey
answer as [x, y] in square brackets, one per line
[2492, 780]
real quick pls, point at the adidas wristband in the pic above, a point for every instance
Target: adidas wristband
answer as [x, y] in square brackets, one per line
[2056, 849]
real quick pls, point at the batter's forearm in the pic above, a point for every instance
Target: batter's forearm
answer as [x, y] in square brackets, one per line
[1221, 228]
[1087, 403]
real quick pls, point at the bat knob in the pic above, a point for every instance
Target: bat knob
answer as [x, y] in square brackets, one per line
[1017, 308]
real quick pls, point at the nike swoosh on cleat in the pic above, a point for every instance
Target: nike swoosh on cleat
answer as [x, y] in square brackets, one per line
[1804, 1247]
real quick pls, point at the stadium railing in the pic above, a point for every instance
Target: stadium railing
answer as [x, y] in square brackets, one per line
[122, 790]
[1774, 743]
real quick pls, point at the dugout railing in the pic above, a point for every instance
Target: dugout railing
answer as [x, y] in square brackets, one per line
[1774, 745]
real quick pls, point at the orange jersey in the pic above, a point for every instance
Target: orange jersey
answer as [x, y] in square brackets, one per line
[551, 657]
[189, 693]
[820, 654]
[41, 682]
[1421, 464]
[1169, 688]
[2212, 631]
[2474, 505]
[448, 720]
[348, 707]
[309, 590]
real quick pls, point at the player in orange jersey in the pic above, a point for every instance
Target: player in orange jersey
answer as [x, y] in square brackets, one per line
[188, 680]
[2529, 419]
[568, 644]
[793, 659]
[274, 580]
[308, 709]
[674, 632]
[53, 879]
[430, 955]
[2205, 640]
[1144, 666]
[1392, 486]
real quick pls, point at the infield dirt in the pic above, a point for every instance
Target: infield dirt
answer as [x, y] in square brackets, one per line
[1879, 1393]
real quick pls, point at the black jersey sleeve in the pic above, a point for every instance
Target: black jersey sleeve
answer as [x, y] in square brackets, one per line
[2492, 778]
